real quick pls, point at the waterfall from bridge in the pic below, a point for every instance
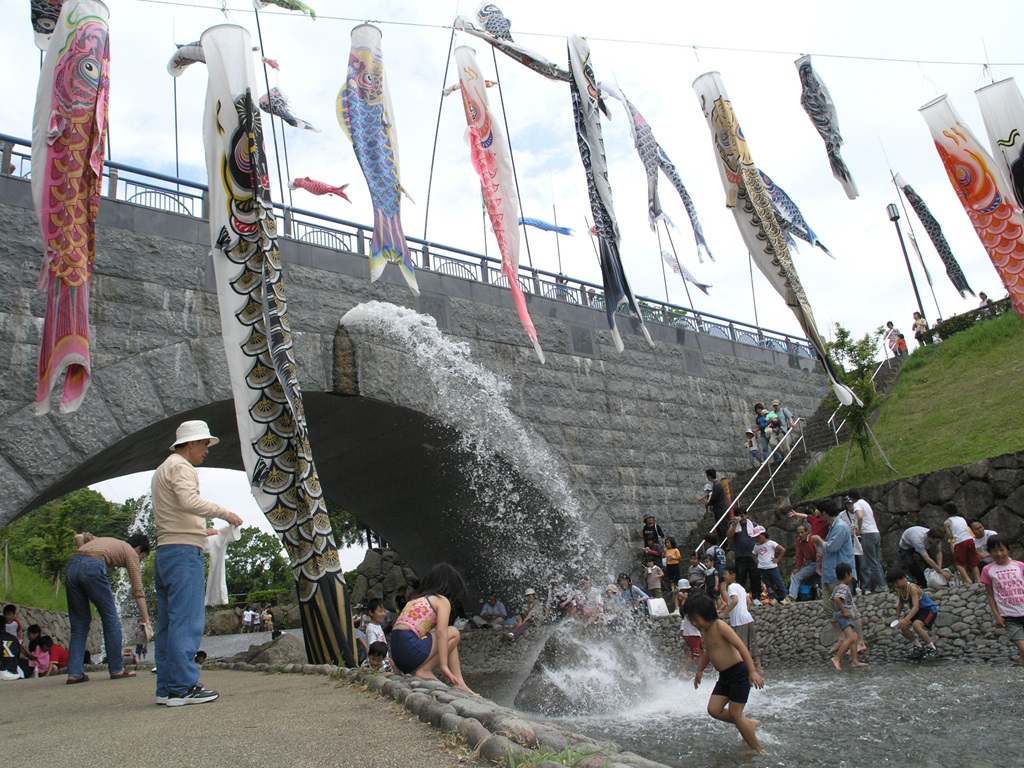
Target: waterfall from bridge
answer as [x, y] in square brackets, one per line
[538, 528]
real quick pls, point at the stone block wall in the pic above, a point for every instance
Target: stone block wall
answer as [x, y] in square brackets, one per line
[991, 490]
[802, 634]
[798, 635]
[58, 626]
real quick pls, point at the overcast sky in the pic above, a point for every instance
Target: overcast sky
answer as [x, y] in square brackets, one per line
[880, 60]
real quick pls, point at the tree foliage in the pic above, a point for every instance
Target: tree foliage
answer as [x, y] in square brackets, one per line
[348, 531]
[856, 358]
[44, 537]
[257, 562]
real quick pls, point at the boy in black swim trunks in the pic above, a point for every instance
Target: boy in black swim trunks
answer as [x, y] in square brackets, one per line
[724, 649]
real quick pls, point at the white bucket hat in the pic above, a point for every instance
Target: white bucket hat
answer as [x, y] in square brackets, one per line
[530, 591]
[193, 430]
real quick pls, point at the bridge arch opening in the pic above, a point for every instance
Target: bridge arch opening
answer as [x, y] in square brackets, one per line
[411, 478]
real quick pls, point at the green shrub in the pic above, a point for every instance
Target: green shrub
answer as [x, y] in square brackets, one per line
[265, 596]
[958, 323]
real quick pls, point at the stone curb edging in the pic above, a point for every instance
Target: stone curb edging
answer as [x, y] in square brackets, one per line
[496, 734]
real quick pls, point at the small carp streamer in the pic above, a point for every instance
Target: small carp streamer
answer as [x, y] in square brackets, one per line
[931, 226]
[315, 187]
[366, 116]
[492, 160]
[276, 103]
[818, 104]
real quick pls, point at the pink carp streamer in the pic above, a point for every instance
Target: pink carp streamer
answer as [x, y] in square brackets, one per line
[491, 159]
[984, 193]
[68, 139]
[315, 187]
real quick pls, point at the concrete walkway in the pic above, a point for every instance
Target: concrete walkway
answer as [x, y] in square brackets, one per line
[260, 720]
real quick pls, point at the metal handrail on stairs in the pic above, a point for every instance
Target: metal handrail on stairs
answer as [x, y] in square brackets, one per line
[771, 478]
[884, 363]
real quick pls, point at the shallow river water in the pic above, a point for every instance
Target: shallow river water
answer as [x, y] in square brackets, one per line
[942, 713]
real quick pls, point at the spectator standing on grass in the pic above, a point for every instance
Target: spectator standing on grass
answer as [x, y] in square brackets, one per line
[920, 328]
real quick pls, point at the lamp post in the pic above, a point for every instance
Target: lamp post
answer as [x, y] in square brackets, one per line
[894, 215]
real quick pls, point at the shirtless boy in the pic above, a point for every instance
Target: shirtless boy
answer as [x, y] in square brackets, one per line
[724, 649]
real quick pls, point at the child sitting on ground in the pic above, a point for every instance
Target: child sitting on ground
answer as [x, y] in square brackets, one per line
[691, 635]
[377, 658]
[845, 616]
[728, 654]
[1004, 583]
[920, 617]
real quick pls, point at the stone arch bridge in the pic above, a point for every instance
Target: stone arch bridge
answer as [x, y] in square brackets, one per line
[629, 432]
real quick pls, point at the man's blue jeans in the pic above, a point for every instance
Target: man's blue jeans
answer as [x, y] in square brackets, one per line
[873, 578]
[798, 578]
[85, 581]
[181, 601]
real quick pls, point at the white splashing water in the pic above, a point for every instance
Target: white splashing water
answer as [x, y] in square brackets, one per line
[127, 609]
[474, 402]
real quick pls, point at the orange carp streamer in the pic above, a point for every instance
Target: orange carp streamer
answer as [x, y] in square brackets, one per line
[984, 194]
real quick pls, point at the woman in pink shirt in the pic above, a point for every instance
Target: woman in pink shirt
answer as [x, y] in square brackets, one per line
[422, 638]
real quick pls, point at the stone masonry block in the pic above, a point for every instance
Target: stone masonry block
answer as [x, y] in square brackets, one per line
[35, 447]
[131, 394]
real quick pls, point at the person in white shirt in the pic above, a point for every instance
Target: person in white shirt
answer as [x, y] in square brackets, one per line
[965, 554]
[981, 537]
[737, 611]
[872, 575]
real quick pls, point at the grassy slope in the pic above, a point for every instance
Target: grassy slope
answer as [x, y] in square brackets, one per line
[29, 588]
[955, 402]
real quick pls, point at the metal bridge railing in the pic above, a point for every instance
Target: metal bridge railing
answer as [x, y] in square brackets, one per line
[189, 198]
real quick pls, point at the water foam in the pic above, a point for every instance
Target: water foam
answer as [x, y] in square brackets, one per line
[473, 401]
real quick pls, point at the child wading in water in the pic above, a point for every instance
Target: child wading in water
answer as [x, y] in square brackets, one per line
[845, 616]
[724, 649]
[422, 639]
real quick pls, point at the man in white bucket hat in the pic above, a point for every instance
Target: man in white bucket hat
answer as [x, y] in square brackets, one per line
[180, 514]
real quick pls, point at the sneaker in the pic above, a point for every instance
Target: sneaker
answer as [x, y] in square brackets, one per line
[196, 695]
[930, 653]
[916, 652]
[757, 602]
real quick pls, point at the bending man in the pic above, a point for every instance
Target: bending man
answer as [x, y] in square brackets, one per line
[86, 581]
